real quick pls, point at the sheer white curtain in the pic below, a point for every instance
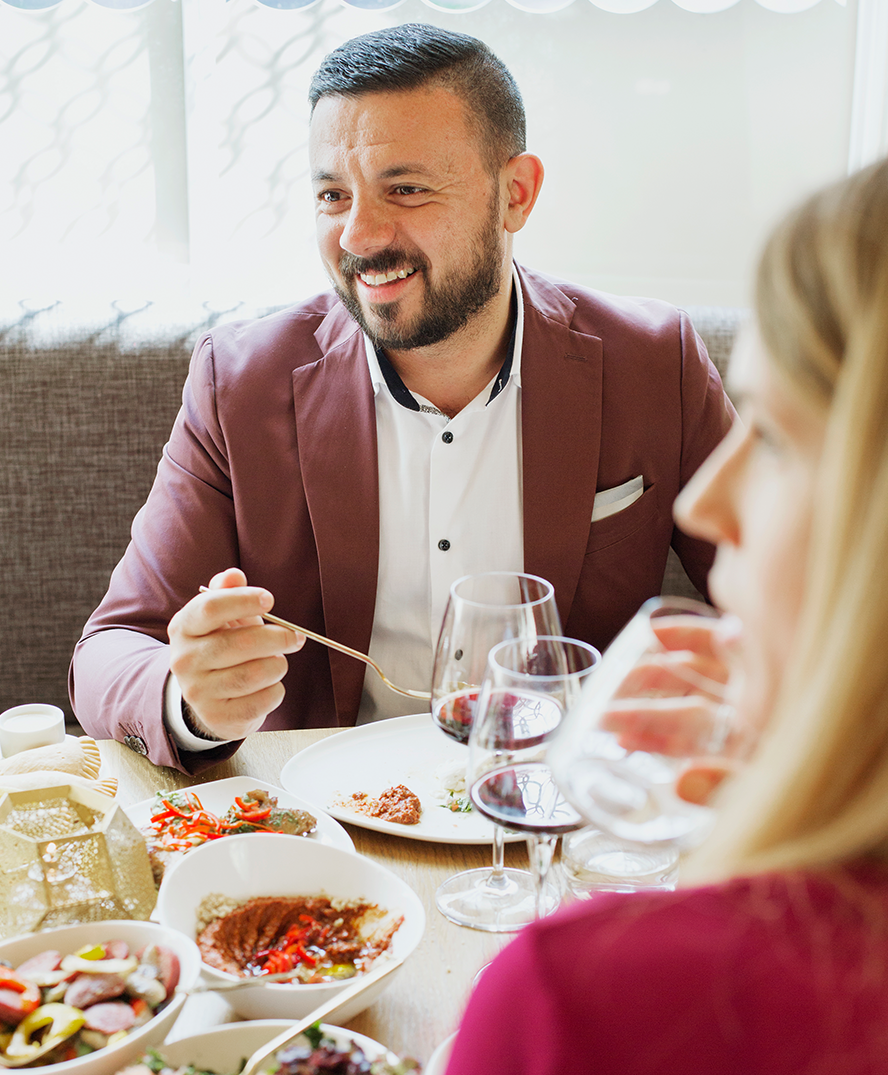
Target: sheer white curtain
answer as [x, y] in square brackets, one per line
[161, 152]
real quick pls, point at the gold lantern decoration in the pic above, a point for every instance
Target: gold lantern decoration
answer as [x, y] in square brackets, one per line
[69, 854]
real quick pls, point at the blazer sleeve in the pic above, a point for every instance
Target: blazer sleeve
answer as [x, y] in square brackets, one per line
[183, 535]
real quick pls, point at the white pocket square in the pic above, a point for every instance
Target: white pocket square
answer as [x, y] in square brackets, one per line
[610, 501]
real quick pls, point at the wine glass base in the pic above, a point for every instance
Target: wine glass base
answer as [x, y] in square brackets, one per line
[594, 861]
[497, 904]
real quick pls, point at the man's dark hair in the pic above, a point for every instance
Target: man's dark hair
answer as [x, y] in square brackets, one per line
[414, 55]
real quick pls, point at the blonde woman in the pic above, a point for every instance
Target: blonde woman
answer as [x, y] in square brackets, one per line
[772, 958]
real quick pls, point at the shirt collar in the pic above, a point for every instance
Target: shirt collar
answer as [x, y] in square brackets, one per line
[383, 373]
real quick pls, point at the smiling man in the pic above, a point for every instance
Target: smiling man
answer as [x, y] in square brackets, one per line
[441, 412]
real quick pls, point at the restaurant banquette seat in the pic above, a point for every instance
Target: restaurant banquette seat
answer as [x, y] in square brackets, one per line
[89, 396]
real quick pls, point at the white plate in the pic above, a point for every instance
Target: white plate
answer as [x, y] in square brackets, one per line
[373, 757]
[437, 1064]
[218, 795]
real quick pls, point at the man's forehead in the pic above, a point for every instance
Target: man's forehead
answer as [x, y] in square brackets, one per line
[388, 121]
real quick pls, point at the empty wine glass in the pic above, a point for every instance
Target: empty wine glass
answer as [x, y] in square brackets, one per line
[481, 611]
[650, 709]
[529, 686]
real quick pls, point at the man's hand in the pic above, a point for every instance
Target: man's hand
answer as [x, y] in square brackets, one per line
[228, 663]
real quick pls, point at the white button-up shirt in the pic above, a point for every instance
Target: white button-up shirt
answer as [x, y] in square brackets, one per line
[450, 505]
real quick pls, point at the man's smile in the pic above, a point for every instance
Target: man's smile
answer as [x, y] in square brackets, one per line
[376, 279]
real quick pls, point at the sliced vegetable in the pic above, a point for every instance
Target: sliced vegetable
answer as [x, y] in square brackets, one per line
[91, 951]
[62, 1020]
[90, 965]
[18, 996]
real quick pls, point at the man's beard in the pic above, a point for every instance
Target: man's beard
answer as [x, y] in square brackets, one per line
[448, 307]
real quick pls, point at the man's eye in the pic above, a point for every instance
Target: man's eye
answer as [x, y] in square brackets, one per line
[329, 196]
[407, 191]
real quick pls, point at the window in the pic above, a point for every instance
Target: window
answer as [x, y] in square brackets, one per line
[161, 152]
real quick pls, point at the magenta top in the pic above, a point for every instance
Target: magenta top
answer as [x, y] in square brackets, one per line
[775, 975]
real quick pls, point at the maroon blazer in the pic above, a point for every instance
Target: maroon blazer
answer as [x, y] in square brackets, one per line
[271, 467]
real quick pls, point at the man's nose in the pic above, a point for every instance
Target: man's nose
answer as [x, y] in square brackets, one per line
[368, 230]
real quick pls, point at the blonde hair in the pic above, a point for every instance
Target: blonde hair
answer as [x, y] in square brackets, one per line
[816, 793]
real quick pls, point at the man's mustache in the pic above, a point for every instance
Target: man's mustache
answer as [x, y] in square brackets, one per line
[385, 261]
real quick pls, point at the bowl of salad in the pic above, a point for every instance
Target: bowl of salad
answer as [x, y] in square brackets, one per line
[90, 998]
[319, 1051]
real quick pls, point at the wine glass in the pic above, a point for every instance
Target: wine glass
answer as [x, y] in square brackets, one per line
[649, 710]
[529, 686]
[481, 611]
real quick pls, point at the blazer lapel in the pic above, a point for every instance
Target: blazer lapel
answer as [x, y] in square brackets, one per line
[561, 433]
[336, 437]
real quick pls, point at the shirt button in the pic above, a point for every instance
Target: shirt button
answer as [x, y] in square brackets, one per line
[135, 743]
[443, 544]
[447, 437]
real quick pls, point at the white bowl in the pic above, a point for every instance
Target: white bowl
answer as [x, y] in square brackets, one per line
[68, 939]
[437, 1064]
[271, 864]
[223, 1048]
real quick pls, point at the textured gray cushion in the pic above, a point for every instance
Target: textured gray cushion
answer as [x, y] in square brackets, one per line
[718, 326]
[89, 397]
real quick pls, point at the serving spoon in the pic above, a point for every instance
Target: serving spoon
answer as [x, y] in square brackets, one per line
[269, 618]
[255, 1062]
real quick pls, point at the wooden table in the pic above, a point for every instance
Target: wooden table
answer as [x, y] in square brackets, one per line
[422, 1005]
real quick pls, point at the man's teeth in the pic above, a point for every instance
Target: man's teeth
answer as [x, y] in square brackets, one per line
[375, 279]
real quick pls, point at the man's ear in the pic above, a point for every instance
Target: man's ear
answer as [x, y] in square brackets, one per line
[522, 179]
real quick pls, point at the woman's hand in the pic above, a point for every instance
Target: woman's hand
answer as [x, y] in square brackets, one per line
[674, 703]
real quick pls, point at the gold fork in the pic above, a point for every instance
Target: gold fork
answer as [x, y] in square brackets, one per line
[269, 618]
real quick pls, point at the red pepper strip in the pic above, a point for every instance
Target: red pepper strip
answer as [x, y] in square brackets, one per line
[182, 813]
[18, 996]
[277, 962]
[255, 815]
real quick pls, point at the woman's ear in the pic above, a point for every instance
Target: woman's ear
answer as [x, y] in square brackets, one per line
[522, 179]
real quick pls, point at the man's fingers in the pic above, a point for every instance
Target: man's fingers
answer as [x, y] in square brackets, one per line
[231, 576]
[229, 648]
[237, 681]
[212, 610]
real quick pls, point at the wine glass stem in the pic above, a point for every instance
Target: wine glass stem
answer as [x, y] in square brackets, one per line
[540, 849]
[497, 877]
